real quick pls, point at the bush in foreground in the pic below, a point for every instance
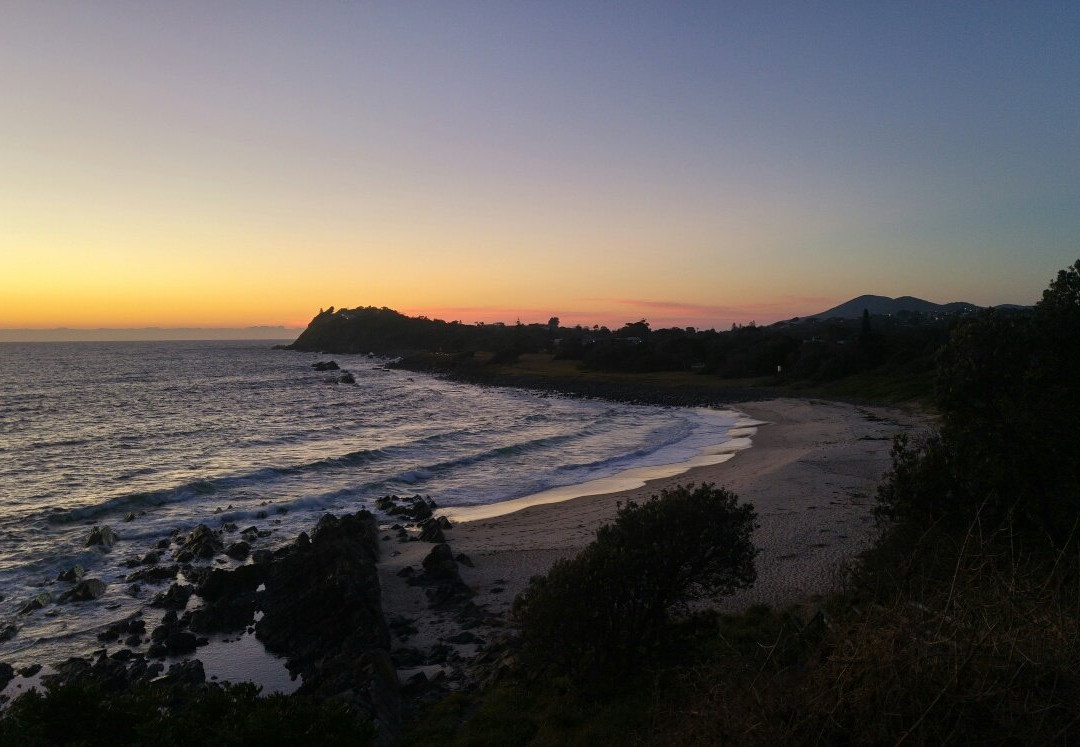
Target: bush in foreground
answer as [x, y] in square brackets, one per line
[596, 615]
[84, 714]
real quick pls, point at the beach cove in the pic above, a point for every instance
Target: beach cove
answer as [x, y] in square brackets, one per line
[811, 474]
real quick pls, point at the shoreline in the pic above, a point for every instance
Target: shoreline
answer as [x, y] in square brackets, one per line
[811, 475]
[739, 437]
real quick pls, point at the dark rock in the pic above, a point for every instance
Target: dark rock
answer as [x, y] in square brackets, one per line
[29, 671]
[440, 653]
[322, 610]
[262, 557]
[153, 575]
[175, 598]
[346, 378]
[84, 591]
[229, 527]
[196, 575]
[444, 522]
[408, 657]
[101, 536]
[180, 642]
[72, 574]
[430, 531]
[130, 517]
[470, 616]
[163, 544]
[416, 508]
[7, 674]
[303, 542]
[201, 542]
[109, 673]
[326, 366]
[406, 572]
[250, 534]
[151, 558]
[189, 672]
[8, 632]
[229, 599]
[447, 594]
[416, 685]
[464, 559]
[403, 628]
[440, 564]
[238, 550]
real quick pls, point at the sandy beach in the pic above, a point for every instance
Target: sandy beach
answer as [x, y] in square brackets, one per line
[811, 473]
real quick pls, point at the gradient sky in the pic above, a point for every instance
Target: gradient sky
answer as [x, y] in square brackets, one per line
[246, 163]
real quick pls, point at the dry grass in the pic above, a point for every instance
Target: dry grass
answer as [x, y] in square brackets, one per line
[985, 653]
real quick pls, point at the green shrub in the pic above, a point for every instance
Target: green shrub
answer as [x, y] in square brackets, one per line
[597, 615]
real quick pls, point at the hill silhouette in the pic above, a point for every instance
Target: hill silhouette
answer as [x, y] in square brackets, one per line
[853, 309]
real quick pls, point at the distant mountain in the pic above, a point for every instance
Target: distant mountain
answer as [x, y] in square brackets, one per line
[853, 309]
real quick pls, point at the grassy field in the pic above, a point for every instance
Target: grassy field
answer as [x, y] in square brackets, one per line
[864, 388]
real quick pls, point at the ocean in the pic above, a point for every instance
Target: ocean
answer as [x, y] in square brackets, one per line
[152, 437]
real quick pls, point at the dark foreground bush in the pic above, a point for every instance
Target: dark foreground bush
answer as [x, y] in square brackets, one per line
[596, 615]
[83, 714]
[976, 646]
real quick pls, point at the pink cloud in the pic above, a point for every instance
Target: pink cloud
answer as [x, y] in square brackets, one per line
[614, 312]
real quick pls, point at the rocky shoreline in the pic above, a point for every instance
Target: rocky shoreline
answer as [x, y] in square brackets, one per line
[317, 602]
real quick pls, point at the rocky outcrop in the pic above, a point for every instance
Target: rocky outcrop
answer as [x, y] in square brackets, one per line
[84, 591]
[416, 508]
[101, 536]
[201, 542]
[322, 611]
[321, 604]
[229, 599]
[325, 366]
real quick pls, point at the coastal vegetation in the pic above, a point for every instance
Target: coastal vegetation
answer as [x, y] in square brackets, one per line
[883, 357]
[597, 616]
[961, 623]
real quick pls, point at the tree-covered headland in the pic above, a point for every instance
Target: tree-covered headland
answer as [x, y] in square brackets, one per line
[838, 356]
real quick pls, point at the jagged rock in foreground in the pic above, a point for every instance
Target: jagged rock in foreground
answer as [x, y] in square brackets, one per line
[322, 611]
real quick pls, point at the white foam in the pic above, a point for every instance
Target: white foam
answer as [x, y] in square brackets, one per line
[626, 480]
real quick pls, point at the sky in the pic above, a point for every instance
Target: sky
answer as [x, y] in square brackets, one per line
[233, 164]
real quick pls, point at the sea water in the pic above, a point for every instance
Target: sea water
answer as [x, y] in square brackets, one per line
[173, 434]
